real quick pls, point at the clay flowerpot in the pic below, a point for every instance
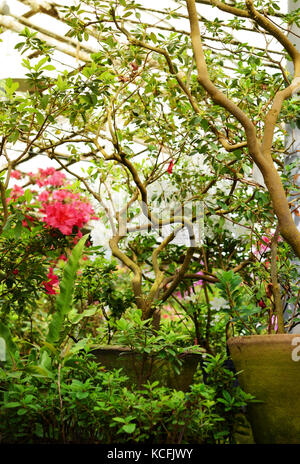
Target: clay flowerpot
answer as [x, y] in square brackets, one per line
[270, 370]
[141, 368]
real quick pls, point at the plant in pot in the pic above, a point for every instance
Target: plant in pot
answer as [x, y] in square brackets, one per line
[161, 118]
[235, 120]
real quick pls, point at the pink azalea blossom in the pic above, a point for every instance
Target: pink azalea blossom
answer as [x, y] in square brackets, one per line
[198, 282]
[15, 193]
[57, 179]
[50, 176]
[16, 174]
[44, 196]
[51, 282]
[64, 216]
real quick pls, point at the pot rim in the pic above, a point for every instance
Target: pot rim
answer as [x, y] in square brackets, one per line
[261, 339]
[127, 349]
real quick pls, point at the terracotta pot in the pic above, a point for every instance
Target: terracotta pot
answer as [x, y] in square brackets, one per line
[140, 369]
[270, 370]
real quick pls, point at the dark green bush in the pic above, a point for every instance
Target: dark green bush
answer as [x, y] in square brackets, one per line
[80, 402]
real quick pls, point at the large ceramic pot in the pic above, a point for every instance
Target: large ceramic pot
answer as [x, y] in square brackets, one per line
[268, 367]
[140, 368]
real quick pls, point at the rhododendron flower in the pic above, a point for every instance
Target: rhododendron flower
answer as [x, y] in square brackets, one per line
[44, 196]
[51, 283]
[64, 216]
[65, 195]
[180, 296]
[16, 174]
[57, 179]
[15, 193]
[170, 167]
[262, 304]
[50, 176]
[199, 282]
[263, 246]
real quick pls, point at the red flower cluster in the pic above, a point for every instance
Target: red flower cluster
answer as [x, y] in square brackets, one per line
[49, 176]
[16, 192]
[16, 174]
[64, 209]
[51, 282]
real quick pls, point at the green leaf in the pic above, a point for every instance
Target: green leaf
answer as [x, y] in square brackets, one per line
[61, 83]
[28, 196]
[44, 101]
[38, 371]
[40, 118]
[64, 299]
[51, 347]
[12, 404]
[129, 428]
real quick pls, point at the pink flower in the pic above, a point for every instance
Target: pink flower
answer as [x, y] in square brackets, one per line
[51, 283]
[57, 179]
[15, 271]
[180, 296]
[199, 282]
[50, 176]
[44, 196]
[17, 191]
[63, 258]
[65, 195]
[68, 210]
[16, 174]
[263, 246]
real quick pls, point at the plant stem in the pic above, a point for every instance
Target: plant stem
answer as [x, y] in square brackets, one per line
[275, 285]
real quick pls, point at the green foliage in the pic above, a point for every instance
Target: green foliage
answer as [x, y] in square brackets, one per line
[246, 316]
[230, 399]
[24, 266]
[94, 406]
[102, 285]
[137, 334]
[64, 300]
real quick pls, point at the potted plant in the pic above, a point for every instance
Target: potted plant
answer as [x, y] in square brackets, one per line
[161, 118]
[246, 130]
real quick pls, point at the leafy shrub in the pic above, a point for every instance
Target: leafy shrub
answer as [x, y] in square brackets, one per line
[80, 402]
